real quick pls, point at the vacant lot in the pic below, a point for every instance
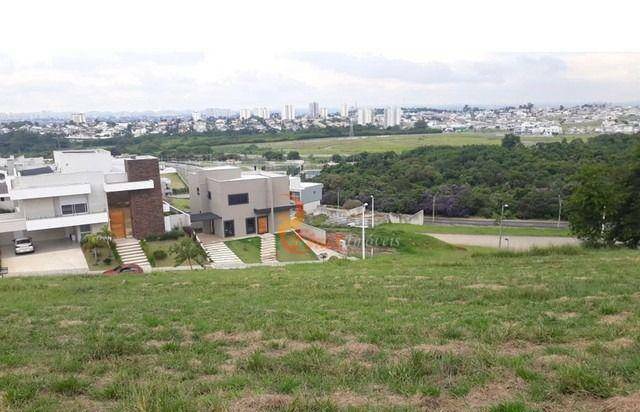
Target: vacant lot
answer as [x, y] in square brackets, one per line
[427, 327]
[397, 143]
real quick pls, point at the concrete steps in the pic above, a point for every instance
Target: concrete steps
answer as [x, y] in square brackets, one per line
[130, 252]
[221, 255]
[268, 248]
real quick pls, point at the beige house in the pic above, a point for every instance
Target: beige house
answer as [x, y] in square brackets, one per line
[227, 202]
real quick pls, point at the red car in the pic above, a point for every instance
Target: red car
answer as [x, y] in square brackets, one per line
[126, 268]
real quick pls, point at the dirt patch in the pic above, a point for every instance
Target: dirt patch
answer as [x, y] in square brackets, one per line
[355, 350]
[155, 343]
[347, 399]
[66, 323]
[494, 392]
[629, 403]
[551, 360]
[488, 286]
[517, 348]
[562, 315]
[615, 319]
[234, 337]
[620, 343]
[266, 402]
[396, 299]
[455, 347]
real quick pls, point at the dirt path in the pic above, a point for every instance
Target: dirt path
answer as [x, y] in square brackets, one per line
[511, 242]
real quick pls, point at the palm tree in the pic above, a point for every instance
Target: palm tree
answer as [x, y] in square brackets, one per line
[105, 235]
[187, 249]
[92, 241]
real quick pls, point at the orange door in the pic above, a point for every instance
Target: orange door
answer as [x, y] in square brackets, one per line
[116, 221]
[263, 224]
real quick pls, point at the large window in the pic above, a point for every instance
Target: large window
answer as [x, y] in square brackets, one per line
[229, 229]
[238, 199]
[251, 225]
[74, 209]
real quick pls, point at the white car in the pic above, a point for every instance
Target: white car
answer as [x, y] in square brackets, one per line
[23, 245]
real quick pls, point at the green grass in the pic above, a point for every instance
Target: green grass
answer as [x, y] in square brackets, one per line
[248, 249]
[396, 143]
[494, 230]
[429, 326]
[180, 203]
[176, 181]
[289, 248]
[154, 245]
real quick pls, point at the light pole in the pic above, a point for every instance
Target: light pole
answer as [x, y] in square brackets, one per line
[433, 208]
[501, 219]
[364, 207]
[559, 210]
[373, 212]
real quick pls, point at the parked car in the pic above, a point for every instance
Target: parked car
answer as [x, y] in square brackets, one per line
[126, 268]
[23, 245]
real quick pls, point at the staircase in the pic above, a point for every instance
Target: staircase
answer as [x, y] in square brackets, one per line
[130, 252]
[268, 248]
[221, 256]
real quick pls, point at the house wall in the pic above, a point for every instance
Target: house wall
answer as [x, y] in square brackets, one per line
[147, 217]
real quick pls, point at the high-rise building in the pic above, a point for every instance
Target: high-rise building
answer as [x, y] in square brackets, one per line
[324, 113]
[314, 110]
[344, 111]
[245, 114]
[78, 118]
[263, 112]
[392, 116]
[289, 112]
[365, 116]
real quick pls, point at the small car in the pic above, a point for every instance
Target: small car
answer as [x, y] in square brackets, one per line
[23, 245]
[126, 268]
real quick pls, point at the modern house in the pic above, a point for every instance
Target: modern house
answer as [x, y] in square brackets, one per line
[227, 202]
[81, 191]
[308, 194]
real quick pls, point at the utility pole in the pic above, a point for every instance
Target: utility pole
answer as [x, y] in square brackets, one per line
[338, 198]
[433, 208]
[501, 219]
[373, 213]
[364, 252]
[559, 210]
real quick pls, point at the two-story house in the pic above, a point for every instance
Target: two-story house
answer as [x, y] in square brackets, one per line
[227, 202]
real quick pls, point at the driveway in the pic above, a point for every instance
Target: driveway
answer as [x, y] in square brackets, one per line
[50, 258]
[511, 242]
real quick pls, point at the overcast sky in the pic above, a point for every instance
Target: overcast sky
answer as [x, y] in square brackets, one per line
[155, 55]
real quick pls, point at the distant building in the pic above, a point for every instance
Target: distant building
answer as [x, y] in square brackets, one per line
[196, 116]
[245, 114]
[78, 118]
[308, 193]
[344, 111]
[263, 112]
[324, 113]
[314, 110]
[392, 116]
[289, 112]
[365, 116]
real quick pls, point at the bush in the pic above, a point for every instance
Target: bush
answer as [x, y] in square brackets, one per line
[172, 235]
[106, 261]
[159, 254]
[351, 203]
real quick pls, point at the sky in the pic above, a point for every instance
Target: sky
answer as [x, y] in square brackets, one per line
[68, 55]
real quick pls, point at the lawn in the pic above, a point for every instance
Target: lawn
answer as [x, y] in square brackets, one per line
[180, 203]
[104, 252]
[248, 249]
[428, 327]
[494, 230]
[154, 245]
[397, 143]
[289, 248]
[176, 181]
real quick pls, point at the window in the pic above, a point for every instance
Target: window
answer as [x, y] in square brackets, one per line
[239, 199]
[84, 230]
[229, 229]
[209, 194]
[74, 209]
[251, 225]
[198, 191]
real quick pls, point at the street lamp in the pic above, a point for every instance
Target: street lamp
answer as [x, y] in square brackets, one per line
[559, 209]
[373, 213]
[364, 207]
[504, 205]
[433, 208]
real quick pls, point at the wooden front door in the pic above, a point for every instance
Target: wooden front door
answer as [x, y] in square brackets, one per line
[116, 221]
[263, 224]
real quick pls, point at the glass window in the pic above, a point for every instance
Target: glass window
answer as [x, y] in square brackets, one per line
[251, 225]
[81, 208]
[67, 209]
[238, 199]
[209, 194]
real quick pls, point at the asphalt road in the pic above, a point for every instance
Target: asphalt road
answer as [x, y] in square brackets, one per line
[491, 222]
[508, 242]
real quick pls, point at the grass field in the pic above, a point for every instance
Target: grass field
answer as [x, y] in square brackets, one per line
[176, 181]
[397, 143]
[104, 252]
[154, 245]
[494, 230]
[248, 250]
[289, 248]
[180, 203]
[428, 327]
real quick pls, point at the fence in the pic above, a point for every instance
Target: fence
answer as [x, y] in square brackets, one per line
[415, 219]
[313, 233]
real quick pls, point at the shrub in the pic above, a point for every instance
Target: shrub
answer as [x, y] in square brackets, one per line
[159, 254]
[351, 203]
[172, 235]
[106, 261]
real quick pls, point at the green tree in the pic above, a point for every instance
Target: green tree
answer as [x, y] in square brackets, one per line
[93, 241]
[511, 141]
[293, 155]
[188, 250]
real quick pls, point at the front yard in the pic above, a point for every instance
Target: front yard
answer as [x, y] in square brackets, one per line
[248, 249]
[106, 260]
[158, 259]
[289, 248]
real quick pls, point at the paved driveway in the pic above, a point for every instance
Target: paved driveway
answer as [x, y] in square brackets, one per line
[50, 258]
[511, 242]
